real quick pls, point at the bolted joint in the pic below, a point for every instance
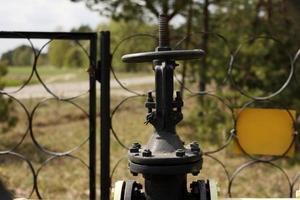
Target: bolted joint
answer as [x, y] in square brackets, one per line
[178, 103]
[180, 152]
[177, 117]
[135, 147]
[195, 147]
[147, 153]
[150, 97]
[139, 186]
[195, 173]
[134, 174]
[136, 192]
[150, 118]
[150, 104]
[179, 97]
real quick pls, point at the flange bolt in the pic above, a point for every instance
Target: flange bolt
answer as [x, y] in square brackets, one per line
[139, 186]
[147, 153]
[149, 101]
[150, 97]
[195, 173]
[180, 152]
[134, 174]
[195, 147]
[135, 148]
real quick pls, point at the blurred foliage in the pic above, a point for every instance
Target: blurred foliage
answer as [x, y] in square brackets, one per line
[120, 30]
[66, 53]
[20, 56]
[57, 50]
[7, 120]
[75, 57]
[213, 120]
[3, 72]
[7, 117]
[145, 10]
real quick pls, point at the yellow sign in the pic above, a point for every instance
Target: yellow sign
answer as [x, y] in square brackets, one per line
[265, 131]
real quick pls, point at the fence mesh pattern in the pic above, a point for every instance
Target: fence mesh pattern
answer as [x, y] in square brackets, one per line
[247, 174]
[279, 173]
[41, 152]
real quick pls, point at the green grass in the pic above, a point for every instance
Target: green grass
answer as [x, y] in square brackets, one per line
[57, 127]
[18, 75]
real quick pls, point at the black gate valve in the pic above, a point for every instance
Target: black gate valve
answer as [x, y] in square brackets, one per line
[164, 161]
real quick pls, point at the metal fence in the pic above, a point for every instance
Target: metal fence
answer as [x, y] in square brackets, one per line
[33, 132]
[212, 154]
[108, 116]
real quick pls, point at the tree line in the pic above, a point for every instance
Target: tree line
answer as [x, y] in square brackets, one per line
[59, 54]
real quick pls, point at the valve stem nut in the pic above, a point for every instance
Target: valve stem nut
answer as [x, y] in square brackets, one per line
[147, 153]
[180, 152]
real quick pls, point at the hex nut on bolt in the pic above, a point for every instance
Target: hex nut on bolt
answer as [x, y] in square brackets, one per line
[195, 147]
[195, 173]
[180, 152]
[134, 174]
[147, 153]
[135, 148]
[136, 145]
[139, 186]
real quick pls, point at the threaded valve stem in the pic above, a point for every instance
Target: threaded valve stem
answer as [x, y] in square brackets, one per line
[163, 30]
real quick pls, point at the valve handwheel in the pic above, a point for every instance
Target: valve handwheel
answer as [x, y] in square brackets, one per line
[163, 55]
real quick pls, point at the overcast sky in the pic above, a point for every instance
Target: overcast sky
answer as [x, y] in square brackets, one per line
[42, 15]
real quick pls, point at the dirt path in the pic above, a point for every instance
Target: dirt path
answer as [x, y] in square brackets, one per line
[72, 89]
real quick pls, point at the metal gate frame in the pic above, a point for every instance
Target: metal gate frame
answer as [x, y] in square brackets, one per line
[105, 118]
[93, 76]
